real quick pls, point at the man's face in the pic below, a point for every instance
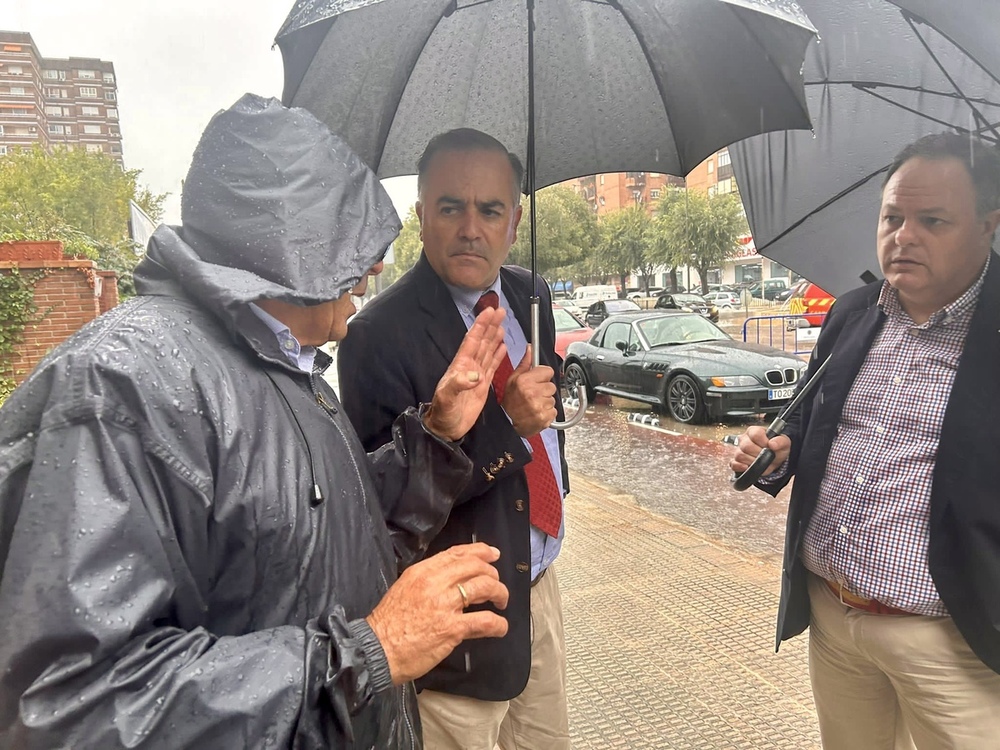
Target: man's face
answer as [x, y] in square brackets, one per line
[932, 244]
[339, 311]
[315, 325]
[468, 217]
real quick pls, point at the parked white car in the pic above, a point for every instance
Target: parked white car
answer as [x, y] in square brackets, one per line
[724, 300]
[585, 296]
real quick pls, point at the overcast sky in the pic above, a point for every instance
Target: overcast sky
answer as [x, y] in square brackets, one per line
[177, 64]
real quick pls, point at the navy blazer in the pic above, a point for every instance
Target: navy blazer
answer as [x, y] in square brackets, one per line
[396, 350]
[964, 547]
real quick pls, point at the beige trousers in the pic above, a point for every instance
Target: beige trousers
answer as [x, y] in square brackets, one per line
[886, 682]
[537, 719]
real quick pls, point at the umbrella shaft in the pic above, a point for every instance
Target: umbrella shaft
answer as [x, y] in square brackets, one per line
[530, 155]
[535, 312]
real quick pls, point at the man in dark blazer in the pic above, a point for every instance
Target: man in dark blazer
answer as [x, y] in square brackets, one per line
[509, 691]
[892, 549]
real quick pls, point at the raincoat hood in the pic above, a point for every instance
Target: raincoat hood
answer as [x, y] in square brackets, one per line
[273, 206]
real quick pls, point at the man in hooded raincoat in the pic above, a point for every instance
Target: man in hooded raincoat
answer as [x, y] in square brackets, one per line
[192, 539]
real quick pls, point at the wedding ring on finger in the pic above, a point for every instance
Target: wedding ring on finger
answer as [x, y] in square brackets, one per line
[465, 596]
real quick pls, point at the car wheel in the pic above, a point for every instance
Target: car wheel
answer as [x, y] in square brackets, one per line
[575, 376]
[684, 400]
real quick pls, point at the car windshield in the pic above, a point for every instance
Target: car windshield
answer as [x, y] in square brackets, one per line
[689, 299]
[670, 330]
[621, 305]
[565, 320]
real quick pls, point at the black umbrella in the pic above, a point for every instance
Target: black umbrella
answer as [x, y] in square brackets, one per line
[573, 87]
[883, 74]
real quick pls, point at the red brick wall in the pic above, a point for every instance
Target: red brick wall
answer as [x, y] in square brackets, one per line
[109, 290]
[70, 294]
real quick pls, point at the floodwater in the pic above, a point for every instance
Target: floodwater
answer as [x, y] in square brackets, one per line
[679, 471]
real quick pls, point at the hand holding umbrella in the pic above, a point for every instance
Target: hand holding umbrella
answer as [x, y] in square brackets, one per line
[760, 450]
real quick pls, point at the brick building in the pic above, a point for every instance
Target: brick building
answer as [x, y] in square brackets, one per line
[715, 176]
[607, 193]
[68, 294]
[71, 102]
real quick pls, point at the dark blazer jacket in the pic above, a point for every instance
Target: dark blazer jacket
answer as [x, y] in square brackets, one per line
[396, 350]
[964, 548]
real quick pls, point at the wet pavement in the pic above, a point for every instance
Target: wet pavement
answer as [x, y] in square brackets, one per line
[669, 635]
[679, 471]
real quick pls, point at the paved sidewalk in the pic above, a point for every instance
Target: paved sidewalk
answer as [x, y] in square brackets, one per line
[670, 636]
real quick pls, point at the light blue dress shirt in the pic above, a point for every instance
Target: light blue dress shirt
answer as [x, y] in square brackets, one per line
[300, 356]
[544, 549]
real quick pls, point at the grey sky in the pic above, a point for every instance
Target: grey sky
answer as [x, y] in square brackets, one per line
[177, 64]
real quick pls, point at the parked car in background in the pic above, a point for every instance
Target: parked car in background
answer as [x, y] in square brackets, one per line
[569, 328]
[688, 303]
[724, 300]
[682, 364]
[634, 294]
[785, 294]
[768, 288]
[584, 296]
[598, 312]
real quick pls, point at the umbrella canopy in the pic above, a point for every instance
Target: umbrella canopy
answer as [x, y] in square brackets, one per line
[883, 74]
[653, 85]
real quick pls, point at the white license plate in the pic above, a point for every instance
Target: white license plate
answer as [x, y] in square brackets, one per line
[778, 393]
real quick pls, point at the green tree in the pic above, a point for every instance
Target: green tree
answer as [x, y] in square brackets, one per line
[79, 198]
[405, 249]
[625, 242]
[566, 235]
[697, 230]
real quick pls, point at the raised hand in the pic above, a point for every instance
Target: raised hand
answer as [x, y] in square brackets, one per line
[465, 386]
[530, 397]
[422, 617]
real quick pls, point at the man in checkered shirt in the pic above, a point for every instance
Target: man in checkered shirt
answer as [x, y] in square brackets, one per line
[892, 550]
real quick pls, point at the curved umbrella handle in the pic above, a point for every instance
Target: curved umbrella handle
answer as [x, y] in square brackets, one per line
[581, 392]
[754, 472]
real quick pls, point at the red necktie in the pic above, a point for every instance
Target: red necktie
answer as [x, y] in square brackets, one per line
[543, 492]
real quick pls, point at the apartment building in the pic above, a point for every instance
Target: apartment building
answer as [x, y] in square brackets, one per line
[70, 102]
[607, 193]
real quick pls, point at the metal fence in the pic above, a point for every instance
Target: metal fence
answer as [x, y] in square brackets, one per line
[790, 333]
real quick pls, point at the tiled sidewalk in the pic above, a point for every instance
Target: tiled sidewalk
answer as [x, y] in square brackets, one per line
[670, 636]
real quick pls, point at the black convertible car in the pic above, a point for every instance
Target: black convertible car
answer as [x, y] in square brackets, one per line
[684, 365]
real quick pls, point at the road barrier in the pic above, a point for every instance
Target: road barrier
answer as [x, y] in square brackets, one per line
[792, 336]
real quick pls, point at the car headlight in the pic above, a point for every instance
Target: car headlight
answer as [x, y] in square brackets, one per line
[734, 381]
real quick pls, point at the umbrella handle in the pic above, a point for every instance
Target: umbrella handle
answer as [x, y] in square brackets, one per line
[755, 471]
[581, 391]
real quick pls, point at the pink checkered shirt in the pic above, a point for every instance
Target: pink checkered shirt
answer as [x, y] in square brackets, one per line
[870, 530]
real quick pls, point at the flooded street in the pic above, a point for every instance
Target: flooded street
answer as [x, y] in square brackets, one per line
[679, 471]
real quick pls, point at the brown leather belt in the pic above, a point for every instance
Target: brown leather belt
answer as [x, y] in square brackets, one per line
[859, 602]
[540, 577]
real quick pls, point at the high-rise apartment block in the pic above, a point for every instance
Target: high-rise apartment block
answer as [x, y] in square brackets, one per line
[614, 191]
[70, 102]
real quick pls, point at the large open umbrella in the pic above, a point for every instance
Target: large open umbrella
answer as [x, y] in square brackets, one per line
[572, 87]
[884, 73]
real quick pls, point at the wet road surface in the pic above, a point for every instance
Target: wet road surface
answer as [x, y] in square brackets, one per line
[684, 476]
[679, 471]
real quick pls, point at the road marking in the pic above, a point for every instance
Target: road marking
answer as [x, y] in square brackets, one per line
[650, 422]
